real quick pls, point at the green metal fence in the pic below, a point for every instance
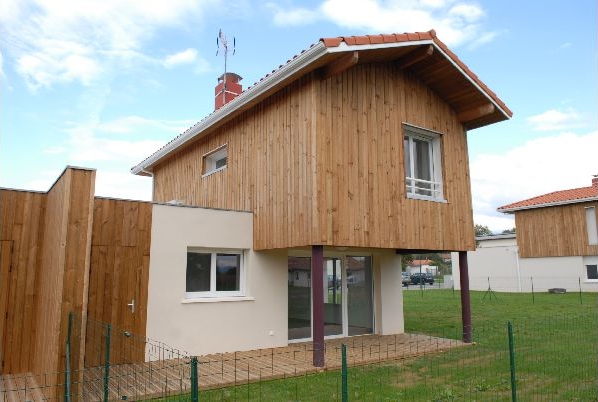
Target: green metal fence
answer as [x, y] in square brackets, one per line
[551, 356]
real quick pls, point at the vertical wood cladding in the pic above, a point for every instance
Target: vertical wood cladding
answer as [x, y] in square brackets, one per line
[21, 216]
[119, 274]
[321, 162]
[558, 231]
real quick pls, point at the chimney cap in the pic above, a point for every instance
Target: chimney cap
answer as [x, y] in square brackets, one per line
[231, 76]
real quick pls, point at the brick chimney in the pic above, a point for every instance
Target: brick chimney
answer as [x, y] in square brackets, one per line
[595, 181]
[228, 88]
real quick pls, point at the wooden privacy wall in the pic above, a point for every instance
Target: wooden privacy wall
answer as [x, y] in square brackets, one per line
[21, 216]
[558, 231]
[119, 274]
[322, 162]
[64, 267]
[64, 251]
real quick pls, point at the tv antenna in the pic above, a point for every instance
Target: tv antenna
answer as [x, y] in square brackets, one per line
[223, 44]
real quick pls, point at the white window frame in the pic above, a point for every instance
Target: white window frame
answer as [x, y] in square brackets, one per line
[434, 139]
[211, 159]
[213, 293]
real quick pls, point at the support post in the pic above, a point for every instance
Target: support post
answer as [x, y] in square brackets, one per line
[317, 291]
[465, 301]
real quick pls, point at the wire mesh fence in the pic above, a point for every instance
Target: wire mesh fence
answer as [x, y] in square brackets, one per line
[554, 357]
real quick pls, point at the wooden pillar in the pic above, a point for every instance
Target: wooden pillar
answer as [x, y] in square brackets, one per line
[465, 302]
[317, 291]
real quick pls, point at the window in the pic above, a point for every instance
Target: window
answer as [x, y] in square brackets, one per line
[423, 168]
[215, 161]
[591, 225]
[214, 273]
[592, 271]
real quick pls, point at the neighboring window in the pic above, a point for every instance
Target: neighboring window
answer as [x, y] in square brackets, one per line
[592, 271]
[214, 273]
[423, 166]
[215, 161]
[591, 225]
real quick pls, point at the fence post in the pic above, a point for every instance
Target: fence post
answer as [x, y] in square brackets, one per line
[107, 363]
[512, 363]
[194, 380]
[67, 379]
[345, 384]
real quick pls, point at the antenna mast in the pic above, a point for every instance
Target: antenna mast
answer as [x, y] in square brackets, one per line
[222, 43]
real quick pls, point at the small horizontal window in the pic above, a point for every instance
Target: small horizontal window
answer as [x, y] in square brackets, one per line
[215, 161]
[214, 273]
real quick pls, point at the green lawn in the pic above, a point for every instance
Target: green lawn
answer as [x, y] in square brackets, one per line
[555, 338]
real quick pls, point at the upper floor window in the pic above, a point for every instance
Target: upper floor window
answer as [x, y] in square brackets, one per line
[214, 273]
[423, 164]
[215, 160]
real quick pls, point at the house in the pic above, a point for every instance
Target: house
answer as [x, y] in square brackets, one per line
[494, 264]
[556, 245]
[282, 215]
[557, 236]
[422, 266]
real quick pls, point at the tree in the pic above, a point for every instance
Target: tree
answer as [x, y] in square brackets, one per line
[481, 230]
[508, 231]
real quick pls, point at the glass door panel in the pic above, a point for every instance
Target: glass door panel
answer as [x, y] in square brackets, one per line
[299, 309]
[359, 295]
[333, 297]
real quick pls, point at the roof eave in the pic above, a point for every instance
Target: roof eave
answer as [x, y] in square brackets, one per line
[288, 70]
[548, 204]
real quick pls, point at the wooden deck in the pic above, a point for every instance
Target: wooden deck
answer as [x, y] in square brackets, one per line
[170, 377]
[21, 388]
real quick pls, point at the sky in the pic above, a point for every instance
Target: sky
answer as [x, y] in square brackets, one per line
[104, 84]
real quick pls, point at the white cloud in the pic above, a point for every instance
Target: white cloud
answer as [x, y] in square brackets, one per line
[537, 167]
[122, 184]
[187, 56]
[555, 120]
[292, 16]
[455, 22]
[62, 41]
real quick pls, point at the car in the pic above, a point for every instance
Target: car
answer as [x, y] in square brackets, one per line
[422, 278]
[406, 278]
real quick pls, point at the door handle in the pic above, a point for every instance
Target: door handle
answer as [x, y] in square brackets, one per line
[132, 306]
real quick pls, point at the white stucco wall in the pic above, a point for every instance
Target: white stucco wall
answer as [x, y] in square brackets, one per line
[257, 320]
[497, 261]
[494, 258]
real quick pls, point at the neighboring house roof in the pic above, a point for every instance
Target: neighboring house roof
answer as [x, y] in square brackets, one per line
[497, 237]
[562, 197]
[422, 52]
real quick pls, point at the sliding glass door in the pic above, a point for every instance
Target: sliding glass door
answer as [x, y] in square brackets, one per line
[348, 296]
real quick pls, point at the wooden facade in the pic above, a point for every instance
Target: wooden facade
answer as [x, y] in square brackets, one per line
[120, 248]
[555, 231]
[322, 162]
[67, 251]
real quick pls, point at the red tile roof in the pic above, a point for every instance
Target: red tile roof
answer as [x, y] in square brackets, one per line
[574, 195]
[251, 92]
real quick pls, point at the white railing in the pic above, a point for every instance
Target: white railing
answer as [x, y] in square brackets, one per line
[423, 188]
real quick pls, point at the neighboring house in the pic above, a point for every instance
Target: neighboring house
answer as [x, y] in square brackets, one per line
[298, 197]
[493, 264]
[422, 266]
[556, 245]
[556, 235]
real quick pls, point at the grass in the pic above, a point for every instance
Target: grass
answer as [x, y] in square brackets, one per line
[555, 339]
